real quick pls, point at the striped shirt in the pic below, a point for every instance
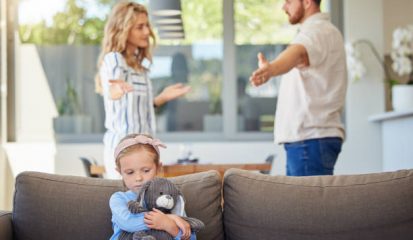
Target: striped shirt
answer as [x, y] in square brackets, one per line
[133, 112]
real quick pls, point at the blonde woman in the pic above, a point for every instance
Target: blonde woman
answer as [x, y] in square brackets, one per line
[123, 81]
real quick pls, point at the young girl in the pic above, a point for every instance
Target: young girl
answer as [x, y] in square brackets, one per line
[137, 161]
[123, 80]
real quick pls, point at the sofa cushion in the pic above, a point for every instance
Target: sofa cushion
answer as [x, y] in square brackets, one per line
[202, 192]
[369, 206]
[6, 230]
[48, 206]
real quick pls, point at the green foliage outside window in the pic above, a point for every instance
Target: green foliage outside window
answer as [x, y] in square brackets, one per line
[256, 22]
[202, 20]
[261, 22]
[70, 26]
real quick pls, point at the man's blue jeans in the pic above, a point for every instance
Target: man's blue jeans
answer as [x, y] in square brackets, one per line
[313, 156]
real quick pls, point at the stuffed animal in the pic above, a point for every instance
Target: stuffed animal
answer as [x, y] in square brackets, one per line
[162, 194]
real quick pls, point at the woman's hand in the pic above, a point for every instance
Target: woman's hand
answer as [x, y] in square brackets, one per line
[158, 220]
[183, 225]
[171, 92]
[118, 88]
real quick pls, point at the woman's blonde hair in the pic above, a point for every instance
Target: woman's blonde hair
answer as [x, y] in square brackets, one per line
[117, 28]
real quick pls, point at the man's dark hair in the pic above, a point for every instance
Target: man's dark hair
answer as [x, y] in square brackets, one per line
[318, 2]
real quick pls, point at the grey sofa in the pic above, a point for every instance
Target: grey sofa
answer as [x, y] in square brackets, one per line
[255, 206]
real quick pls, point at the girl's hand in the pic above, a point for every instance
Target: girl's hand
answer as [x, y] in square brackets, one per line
[183, 225]
[118, 88]
[171, 92]
[158, 220]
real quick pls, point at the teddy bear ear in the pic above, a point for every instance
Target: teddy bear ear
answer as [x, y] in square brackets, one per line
[142, 191]
[179, 208]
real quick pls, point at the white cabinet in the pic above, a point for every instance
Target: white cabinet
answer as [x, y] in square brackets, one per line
[397, 139]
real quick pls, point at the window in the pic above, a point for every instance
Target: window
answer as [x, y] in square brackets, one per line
[196, 61]
[261, 28]
[258, 28]
[59, 41]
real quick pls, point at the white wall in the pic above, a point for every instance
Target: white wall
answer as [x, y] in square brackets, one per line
[34, 112]
[34, 149]
[35, 106]
[362, 149]
[6, 183]
[396, 14]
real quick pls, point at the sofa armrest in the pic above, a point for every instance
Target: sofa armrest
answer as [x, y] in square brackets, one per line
[6, 229]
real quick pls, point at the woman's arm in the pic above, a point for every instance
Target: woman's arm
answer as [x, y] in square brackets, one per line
[171, 92]
[118, 88]
[113, 73]
[123, 217]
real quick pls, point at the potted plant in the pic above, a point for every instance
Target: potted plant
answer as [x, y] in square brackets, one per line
[402, 56]
[71, 118]
[397, 68]
[213, 121]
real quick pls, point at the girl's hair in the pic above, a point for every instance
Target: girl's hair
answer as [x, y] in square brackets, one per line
[117, 28]
[137, 147]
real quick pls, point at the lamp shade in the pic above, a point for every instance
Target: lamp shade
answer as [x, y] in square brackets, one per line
[167, 37]
[165, 7]
[171, 34]
[167, 20]
[170, 27]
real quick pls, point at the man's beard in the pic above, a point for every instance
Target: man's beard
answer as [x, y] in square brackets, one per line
[297, 17]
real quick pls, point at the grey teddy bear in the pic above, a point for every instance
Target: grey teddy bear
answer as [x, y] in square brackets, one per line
[162, 194]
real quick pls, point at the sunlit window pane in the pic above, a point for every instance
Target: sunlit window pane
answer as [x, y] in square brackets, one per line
[197, 61]
[64, 37]
[262, 28]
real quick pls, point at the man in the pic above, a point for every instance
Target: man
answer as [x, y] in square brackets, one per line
[312, 91]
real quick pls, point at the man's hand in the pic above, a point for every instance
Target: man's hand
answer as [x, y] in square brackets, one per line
[158, 220]
[294, 56]
[262, 61]
[118, 88]
[171, 92]
[263, 73]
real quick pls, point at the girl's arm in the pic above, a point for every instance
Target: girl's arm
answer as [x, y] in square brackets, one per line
[182, 225]
[121, 215]
[158, 220]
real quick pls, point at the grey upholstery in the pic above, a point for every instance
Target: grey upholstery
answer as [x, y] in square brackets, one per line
[48, 206]
[6, 231]
[370, 206]
[256, 206]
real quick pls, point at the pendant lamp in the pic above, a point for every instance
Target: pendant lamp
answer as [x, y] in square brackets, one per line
[165, 7]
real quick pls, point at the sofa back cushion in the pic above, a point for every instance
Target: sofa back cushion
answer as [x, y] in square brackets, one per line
[48, 206]
[369, 206]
